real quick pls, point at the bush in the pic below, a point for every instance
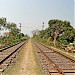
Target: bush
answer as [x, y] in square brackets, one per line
[63, 41]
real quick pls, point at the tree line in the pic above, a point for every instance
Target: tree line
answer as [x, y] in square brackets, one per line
[59, 33]
[12, 34]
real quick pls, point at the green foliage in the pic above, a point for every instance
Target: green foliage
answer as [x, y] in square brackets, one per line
[3, 22]
[63, 41]
[60, 31]
[63, 30]
[14, 35]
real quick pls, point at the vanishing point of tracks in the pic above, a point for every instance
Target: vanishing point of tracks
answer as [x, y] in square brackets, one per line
[9, 55]
[54, 63]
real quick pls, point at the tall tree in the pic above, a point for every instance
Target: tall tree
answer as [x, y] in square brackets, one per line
[2, 23]
[59, 29]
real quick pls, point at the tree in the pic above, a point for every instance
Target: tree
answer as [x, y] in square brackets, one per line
[61, 29]
[2, 23]
[11, 26]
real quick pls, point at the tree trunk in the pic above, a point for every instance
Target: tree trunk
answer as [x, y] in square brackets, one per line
[55, 38]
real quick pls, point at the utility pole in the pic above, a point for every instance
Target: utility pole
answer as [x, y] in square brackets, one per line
[20, 27]
[20, 30]
[43, 26]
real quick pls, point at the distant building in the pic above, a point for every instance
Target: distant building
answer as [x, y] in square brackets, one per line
[6, 34]
[36, 32]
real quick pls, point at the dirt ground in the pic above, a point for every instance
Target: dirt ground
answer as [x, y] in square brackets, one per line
[27, 63]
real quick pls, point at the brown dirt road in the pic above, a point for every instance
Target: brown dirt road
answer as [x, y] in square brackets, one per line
[27, 64]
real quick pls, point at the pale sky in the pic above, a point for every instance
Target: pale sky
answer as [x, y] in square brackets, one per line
[74, 13]
[31, 13]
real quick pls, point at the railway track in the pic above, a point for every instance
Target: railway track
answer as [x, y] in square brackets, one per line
[53, 63]
[9, 55]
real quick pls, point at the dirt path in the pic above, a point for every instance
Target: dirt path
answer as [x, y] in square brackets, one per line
[27, 64]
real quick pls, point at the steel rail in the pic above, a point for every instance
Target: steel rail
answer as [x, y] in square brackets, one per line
[57, 52]
[12, 53]
[54, 65]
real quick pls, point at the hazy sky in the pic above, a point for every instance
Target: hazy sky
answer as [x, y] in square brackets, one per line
[31, 13]
[74, 13]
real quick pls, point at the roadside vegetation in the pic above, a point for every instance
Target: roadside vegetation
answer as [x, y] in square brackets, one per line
[10, 34]
[59, 34]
